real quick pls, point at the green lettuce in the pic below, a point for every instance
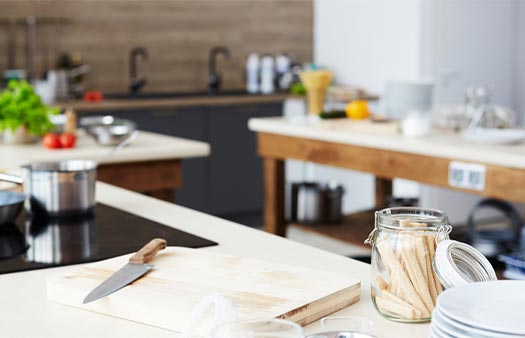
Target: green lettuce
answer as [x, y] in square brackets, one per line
[21, 106]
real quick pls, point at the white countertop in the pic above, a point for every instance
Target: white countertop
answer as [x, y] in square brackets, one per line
[386, 136]
[146, 147]
[26, 312]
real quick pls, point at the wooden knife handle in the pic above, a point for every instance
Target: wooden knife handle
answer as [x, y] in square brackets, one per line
[148, 251]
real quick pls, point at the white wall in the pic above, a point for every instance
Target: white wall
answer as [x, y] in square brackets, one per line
[367, 42]
[477, 41]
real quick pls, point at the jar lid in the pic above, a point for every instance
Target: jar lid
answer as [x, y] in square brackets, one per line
[457, 263]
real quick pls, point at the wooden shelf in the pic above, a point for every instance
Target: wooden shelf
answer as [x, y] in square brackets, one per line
[38, 20]
[354, 228]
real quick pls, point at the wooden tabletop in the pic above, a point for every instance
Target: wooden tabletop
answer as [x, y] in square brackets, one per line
[386, 136]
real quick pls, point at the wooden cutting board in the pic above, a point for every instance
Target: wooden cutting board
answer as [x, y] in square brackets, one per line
[166, 295]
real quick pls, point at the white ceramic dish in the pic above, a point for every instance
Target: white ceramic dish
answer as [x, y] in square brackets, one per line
[494, 136]
[439, 332]
[452, 326]
[494, 306]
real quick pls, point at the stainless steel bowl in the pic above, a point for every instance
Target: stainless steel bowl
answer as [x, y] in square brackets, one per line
[108, 130]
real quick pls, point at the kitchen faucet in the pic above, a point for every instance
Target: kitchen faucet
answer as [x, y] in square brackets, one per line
[136, 84]
[214, 78]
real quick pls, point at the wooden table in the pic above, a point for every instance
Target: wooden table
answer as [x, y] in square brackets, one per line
[380, 150]
[150, 165]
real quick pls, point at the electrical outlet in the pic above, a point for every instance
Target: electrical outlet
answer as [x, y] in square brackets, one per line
[466, 175]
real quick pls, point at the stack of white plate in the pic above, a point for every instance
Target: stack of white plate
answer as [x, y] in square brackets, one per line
[481, 310]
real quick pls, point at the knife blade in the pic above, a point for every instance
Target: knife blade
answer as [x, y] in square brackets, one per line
[135, 268]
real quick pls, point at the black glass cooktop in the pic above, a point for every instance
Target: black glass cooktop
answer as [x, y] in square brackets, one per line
[38, 241]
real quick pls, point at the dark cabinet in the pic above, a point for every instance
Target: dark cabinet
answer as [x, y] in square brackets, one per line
[235, 169]
[229, 182]
[187, 122]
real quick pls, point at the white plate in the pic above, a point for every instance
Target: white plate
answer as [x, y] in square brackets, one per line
[431, 334]
[494, 136]
[446, 330]
[460, 330]
[439, 332]
[496, 306]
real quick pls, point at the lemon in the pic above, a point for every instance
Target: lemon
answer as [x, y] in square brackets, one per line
[357, 110]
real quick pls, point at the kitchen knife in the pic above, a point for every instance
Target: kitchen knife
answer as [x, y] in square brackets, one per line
[128, 273]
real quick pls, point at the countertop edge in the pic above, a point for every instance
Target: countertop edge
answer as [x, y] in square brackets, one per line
[134, 104]
[382, 142]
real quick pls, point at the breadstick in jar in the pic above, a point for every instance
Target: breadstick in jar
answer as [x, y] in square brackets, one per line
[416, 277]
[431, 242]
[411, 296]
[397, 309]
[391, 297]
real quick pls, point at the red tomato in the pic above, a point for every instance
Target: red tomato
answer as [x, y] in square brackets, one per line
[68, 140]
[51, 141]
[93, 96]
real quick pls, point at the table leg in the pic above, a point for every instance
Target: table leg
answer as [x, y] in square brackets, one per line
[274, 218]
[383, 192]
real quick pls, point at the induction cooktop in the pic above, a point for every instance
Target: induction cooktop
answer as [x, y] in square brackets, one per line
[40, 241]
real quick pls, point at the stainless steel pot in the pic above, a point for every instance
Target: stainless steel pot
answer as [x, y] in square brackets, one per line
[314, 203]
[309, 203]
[58, 188]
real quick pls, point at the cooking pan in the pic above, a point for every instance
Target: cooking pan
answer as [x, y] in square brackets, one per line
[58, 188]
[10, 205]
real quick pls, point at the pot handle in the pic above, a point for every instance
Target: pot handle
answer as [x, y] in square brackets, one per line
[11, 178]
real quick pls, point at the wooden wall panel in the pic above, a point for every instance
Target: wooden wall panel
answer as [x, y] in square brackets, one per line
[177, 33]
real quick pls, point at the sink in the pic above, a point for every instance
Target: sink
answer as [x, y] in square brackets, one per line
[169, 95]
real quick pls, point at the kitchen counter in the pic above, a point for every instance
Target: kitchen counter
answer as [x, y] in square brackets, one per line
[130, 168]
[146, 147]
[129, 103]
[27, 312]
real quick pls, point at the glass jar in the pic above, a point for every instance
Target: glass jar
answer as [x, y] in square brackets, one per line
[404, 284]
